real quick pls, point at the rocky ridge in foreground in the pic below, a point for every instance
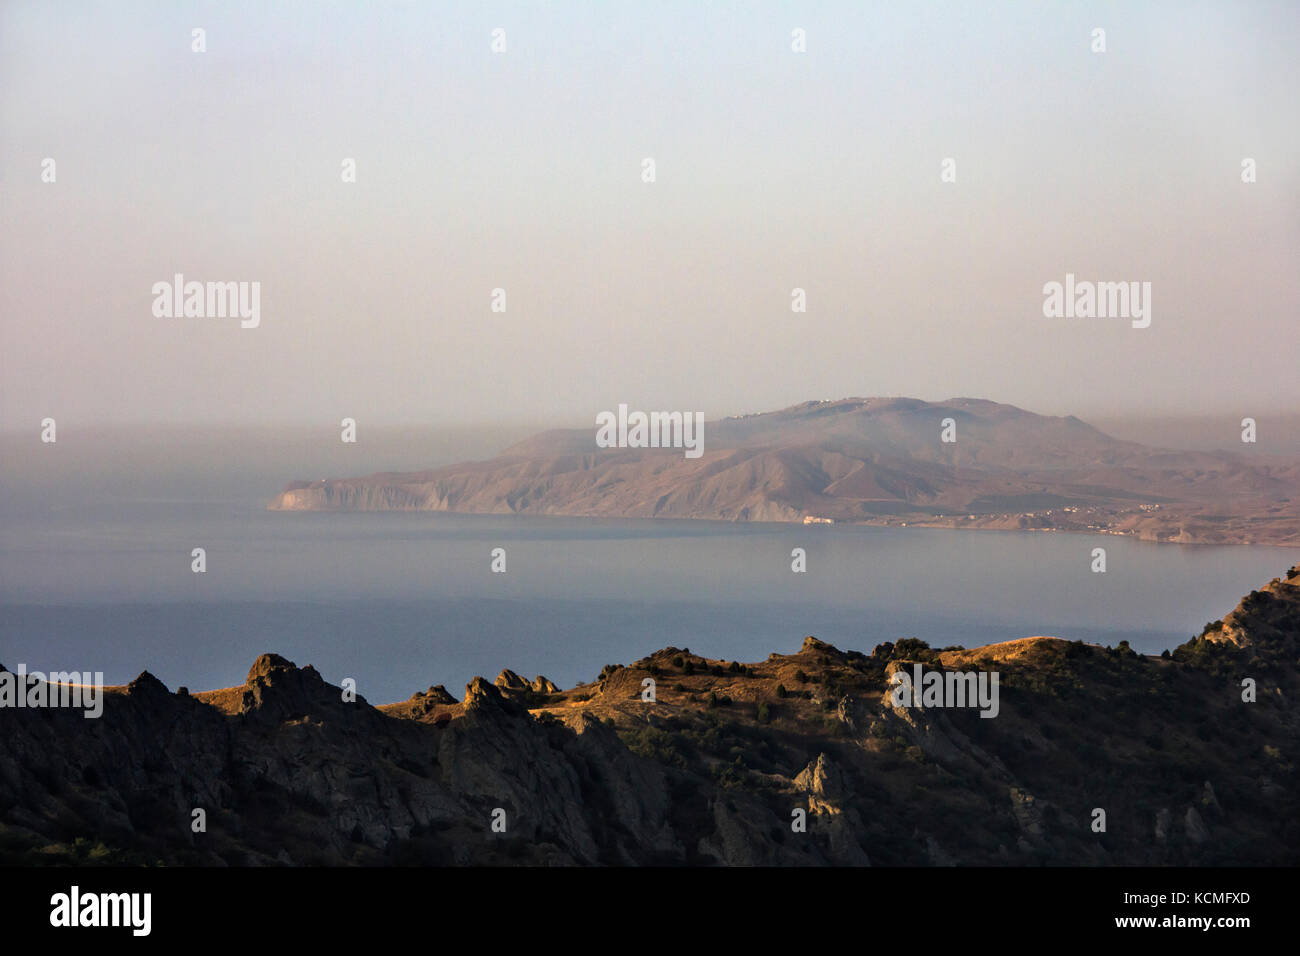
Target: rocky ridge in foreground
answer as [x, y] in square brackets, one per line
[712, 772]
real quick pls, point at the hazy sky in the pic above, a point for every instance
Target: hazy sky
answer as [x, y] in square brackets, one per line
[522, 170]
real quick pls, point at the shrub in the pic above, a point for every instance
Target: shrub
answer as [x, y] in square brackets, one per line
[729, 777]
[656, 745]
[910, 647]
[780, 691]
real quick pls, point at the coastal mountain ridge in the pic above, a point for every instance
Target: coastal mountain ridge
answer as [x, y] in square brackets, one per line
[873, 461]
[1187, 766]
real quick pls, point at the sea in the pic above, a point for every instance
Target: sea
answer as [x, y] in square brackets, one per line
[97, 574]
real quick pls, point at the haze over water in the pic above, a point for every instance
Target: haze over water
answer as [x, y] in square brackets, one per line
[95, 575]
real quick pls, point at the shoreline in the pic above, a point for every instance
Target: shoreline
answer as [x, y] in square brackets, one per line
[892, 525]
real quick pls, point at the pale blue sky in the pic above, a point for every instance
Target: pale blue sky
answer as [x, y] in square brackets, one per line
[522, 170]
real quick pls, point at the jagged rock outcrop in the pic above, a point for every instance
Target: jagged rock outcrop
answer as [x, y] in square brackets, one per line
[824, 783]
[436, 694]
[1164, 819]
[509, 680]
[543, 685]
[1029, 816]
[1268, 616]
[1195, 827]
[931, 730]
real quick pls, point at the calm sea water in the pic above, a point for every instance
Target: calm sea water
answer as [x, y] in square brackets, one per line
[402, 601]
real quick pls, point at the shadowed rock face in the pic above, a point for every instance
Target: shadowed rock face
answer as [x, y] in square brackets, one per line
[799, 759]
[869, 460]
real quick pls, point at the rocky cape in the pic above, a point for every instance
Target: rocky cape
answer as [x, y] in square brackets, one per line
[878, 461]
[288, 771]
